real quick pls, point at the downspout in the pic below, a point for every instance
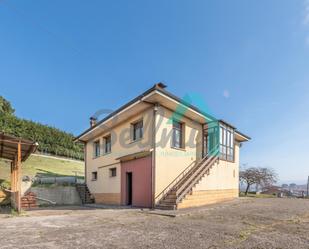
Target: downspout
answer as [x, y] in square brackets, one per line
[85, 159]
[153, 168]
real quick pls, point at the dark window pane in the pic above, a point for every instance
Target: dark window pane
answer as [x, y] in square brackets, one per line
[113, 172]
[94, 176]
[96, 148]
[177, 135]
[138, 130]
[108, 144]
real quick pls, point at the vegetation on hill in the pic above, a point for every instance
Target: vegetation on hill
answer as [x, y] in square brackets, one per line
[43, 166]
[51, 140]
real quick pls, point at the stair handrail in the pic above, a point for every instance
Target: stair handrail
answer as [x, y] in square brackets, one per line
[175, 181]
[195, 174]
[190, 186]
[192, 165]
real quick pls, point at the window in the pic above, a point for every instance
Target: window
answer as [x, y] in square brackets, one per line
[137, 130]
[94, 176]
[212, 140]
[226, 143]
[112, 172]
[96, 148]
[107, 144]
[177, 135]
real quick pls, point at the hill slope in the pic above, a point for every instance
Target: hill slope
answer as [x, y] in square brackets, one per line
[51, 140]
[47, 166]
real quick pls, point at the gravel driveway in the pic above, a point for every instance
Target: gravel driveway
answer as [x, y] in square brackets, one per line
[244, 223]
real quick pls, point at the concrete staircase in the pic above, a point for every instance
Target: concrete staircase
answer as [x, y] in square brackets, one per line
[84, 194]
[183, 184]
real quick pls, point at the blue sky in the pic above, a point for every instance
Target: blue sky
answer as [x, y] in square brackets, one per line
[60, 61]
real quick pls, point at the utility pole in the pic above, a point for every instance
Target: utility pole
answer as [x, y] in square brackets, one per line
[308, 187]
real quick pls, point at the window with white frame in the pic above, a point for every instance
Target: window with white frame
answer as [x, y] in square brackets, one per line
[177, 141]
[96, 148]
[107, 144]
[137, 130]
[226, 143]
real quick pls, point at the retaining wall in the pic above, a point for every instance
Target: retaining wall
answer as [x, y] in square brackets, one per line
[62, 195]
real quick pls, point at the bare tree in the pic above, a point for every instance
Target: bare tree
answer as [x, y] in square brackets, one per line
[259, 176]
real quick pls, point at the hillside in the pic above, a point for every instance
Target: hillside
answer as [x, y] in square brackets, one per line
[47, 166]
[51, 140]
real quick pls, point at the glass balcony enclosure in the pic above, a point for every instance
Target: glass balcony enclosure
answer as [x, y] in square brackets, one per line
[219, 138]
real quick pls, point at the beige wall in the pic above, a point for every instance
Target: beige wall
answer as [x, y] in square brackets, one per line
[206, 197]
[121, 145]
[223, 175]
[171, 162]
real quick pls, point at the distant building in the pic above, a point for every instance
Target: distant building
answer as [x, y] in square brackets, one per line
[276, 191]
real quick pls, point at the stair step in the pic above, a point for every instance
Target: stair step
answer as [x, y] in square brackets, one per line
[186, 184]
[168, 202]
[84, 194]
[166, 207]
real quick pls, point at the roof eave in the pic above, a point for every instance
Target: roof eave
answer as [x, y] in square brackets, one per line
[245, 137]
[160, 87]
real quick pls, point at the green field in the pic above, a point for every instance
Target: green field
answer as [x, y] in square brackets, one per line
[38, 165]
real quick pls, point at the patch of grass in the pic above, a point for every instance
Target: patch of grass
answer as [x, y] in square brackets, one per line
[256, 228]
[5, 184]
[257, 195]
[38, 165]
[14, 213]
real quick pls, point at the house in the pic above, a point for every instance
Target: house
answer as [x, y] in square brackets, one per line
[160, 151]
[276, 191]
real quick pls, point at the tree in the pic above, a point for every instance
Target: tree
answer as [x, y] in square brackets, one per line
[260, 176]
[51, 140]
[6, 107]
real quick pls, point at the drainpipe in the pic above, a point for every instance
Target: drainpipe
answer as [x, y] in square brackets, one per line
[153, 175]
[85, 159]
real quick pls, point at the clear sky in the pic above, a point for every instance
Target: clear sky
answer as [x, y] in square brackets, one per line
[60, 61]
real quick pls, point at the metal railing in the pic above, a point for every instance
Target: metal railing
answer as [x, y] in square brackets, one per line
[186, 171]
[185, 189]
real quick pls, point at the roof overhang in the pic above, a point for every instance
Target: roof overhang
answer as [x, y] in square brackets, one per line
[155, 95]
[9, 147]
[241, 137]
[141, 103]
[134, 156]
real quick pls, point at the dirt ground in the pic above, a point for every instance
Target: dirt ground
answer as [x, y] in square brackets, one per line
[244, 223]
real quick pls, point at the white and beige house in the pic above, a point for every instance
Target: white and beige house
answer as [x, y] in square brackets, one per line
[160, 151]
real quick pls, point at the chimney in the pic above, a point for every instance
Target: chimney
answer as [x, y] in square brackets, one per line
[160, 85]
[93, 121]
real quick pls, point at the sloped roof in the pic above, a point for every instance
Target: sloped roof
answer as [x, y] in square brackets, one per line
[9, 147]
[159, 87]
